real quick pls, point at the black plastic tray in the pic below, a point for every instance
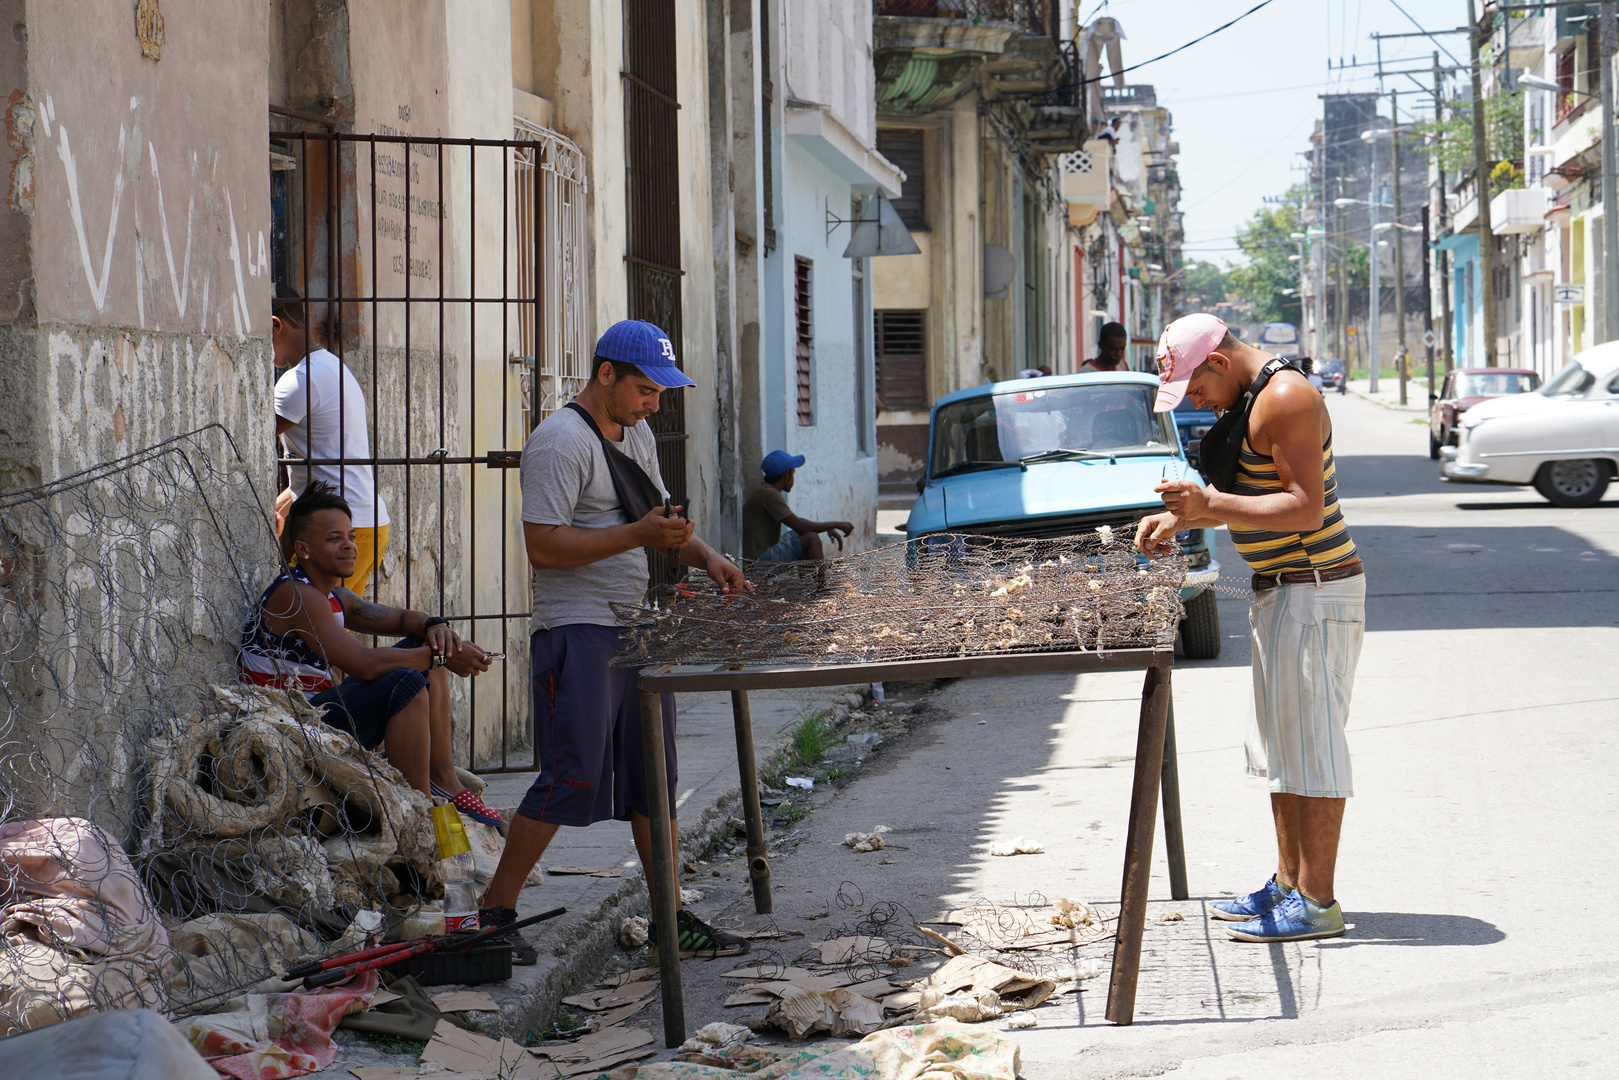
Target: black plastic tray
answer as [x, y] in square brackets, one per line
[488, 961]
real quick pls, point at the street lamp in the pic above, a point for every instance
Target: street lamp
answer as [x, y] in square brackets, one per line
[1610, 222]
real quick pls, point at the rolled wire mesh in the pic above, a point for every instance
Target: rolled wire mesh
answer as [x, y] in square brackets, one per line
[937, 596]
[168, 836]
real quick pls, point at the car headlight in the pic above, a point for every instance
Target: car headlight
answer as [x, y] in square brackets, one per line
[1183, 537]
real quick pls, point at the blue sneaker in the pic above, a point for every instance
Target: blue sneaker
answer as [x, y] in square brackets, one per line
[1294, 919]
[1251, 906]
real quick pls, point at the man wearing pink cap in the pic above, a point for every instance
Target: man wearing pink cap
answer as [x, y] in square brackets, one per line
[1273, 483]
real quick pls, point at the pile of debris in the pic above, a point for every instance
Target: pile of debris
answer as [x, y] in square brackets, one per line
[259, 800]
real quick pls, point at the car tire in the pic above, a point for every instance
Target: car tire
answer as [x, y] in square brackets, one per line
[1200, 630]
[1574, 483]
[1433, 446]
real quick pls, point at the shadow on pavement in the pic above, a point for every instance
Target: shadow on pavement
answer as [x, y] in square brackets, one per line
[1606, 504]
[1403, 928]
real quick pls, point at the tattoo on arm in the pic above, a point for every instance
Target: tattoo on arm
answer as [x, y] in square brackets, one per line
[364, 611]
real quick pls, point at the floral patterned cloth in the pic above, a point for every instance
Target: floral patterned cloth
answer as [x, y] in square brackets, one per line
[275, 1036]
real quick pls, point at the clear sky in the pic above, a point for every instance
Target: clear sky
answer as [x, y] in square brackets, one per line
[1244, 101]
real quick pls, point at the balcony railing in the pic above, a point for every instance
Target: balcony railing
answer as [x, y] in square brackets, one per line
[1030, 16]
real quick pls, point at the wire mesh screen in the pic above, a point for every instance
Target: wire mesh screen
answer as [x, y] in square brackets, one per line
[168, 836]
[937, 596]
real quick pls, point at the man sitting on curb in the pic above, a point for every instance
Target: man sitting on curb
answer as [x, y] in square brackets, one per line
[766, 511]
[299, 638]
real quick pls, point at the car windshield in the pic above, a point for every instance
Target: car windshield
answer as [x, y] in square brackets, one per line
[1572, 381]
[1005, 429]
[1496, 383]
[1329, 367]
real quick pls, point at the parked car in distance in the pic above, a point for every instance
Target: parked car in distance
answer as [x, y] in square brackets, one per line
[1059, 456]
[1333, 374]
[1563, 438]
[1193, 423]
[1465, 388]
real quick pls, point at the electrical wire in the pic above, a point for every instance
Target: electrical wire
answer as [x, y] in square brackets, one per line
[1181, 48]
[1431, 37]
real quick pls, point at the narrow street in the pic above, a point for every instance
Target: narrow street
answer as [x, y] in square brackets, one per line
[1485, 755]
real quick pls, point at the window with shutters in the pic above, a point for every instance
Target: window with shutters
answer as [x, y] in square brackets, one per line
[901, 340]
[803, 312]
[903, 147]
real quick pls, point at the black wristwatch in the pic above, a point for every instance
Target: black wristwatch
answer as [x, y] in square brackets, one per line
[434, 620]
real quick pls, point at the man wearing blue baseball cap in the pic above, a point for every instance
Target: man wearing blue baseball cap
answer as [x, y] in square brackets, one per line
[766, 511]
[594, 506]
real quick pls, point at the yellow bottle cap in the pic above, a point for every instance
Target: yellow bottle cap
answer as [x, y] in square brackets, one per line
[448, 831]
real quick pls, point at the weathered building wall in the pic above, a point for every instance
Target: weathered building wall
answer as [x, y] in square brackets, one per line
[135, 287]
[134, 307]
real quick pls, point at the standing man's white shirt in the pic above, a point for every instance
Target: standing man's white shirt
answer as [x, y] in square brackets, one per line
[320, 394]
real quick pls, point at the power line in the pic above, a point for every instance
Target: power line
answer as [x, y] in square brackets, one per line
[1181, 48]
[1424, 29]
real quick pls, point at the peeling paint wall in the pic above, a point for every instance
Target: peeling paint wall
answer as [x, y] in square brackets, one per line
[134, 283]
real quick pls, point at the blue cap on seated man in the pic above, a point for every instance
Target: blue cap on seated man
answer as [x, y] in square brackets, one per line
[778, 462]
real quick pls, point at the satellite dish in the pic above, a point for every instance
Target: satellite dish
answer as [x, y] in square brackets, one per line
[999, 270]
[885, 234]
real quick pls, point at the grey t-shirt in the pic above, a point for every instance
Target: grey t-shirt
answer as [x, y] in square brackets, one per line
[566, 482]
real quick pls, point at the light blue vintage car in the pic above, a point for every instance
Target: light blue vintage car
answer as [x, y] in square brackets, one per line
[1057, 456]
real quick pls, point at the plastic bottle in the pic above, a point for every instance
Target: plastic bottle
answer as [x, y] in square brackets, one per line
[455, 870]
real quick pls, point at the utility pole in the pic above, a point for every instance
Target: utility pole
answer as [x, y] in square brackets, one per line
[1610, 208]
[1397, 236]
[1481, 187]
[1374, 289]
[1447, 324]
[1343, 284]
[1427, 290]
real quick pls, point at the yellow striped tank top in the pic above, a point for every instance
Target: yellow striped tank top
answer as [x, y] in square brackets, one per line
[1273, 552]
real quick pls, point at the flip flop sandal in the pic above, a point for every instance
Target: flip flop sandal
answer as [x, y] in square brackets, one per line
[469, 804]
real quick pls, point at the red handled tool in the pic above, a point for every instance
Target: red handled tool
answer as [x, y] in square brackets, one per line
[453, 942]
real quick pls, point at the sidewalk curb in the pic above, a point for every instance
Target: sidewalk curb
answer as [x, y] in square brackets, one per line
[576, 949]
[1389, 405]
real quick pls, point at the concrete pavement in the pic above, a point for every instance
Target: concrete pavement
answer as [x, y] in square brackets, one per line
[1477, 854]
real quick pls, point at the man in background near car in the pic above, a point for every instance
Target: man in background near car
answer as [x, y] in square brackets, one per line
[1111, 347]
[1308, 613]
[766, 511]
[320, 414]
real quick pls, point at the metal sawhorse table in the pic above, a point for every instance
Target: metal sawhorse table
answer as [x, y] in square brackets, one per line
[1154, 765]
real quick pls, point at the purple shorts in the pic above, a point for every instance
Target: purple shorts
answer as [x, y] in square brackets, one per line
[587, 725]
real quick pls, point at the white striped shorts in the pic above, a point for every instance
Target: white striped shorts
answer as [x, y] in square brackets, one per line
[1307, 642]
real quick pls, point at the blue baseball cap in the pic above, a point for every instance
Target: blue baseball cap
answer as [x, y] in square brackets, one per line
[631, 341]
[778, 462]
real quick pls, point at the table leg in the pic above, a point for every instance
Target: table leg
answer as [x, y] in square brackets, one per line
[1174, 841]
[662, 870]
[1121, 989]
[748, 766]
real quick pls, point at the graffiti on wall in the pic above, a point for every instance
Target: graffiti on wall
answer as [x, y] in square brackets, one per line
[97, 190]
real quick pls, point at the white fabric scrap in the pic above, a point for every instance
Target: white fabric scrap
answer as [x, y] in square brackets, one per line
[867, 841]
[633, 932]
[1018, 845]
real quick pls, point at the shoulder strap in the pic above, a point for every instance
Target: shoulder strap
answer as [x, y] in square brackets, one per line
[637, 493]
[589, 420]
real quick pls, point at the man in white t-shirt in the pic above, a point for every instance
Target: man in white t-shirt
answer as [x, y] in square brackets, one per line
[320, 414]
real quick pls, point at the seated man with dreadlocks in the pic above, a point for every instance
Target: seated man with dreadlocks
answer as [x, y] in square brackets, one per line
[299, 638]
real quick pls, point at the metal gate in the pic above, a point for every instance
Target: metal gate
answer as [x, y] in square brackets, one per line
[652, 262]
[448, 275]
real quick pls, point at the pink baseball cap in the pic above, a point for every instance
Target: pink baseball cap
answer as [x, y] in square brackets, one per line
[1185, 344]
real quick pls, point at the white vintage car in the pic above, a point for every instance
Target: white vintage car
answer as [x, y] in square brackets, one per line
[1563, 438]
